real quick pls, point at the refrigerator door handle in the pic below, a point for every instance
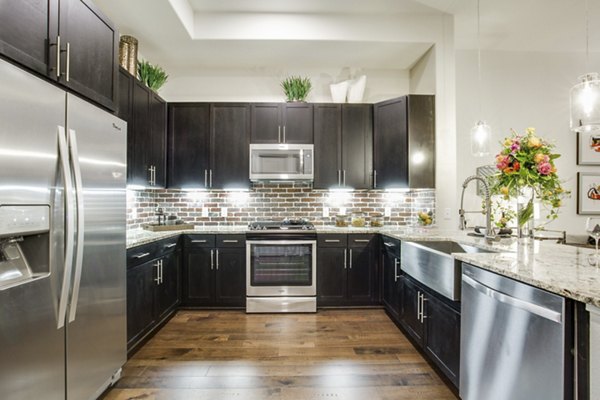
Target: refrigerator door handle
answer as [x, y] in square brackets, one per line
[80, 222]
[63, 154]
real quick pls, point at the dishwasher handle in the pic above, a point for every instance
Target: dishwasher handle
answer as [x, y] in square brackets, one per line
[513, 301]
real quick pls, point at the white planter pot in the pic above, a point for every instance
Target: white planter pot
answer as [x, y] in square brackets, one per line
[356, 89]
[338, 91]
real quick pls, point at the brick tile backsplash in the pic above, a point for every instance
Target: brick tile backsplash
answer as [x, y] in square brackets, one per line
[274, 201]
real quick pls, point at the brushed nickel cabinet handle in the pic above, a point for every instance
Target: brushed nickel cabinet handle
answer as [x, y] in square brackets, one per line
[168, 246]
[198, 241]
[141, 255]
[217, 259]
[212, 259]
[345, 258]
[361, 240]
[350, 258]
[68, 71]
[230, 241]
[332, 240]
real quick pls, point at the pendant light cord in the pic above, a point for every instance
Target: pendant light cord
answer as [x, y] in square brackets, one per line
[587, 37]
[479, 59]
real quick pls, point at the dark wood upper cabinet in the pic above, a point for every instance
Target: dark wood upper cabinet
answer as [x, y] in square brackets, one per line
[158, 137]
[328, 145]
[84, 59]
[146, 116]
[188, 137]
[343, 145]
[209, 145]
[357, 145]
[290, 123]
[26, 27]
[91, 42]
[229, 145]
[404, 143]
[297, 123]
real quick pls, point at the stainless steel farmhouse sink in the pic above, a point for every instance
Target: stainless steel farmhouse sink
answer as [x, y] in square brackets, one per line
[431, 263]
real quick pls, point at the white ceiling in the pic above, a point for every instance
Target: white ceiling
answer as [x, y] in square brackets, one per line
[338, 33]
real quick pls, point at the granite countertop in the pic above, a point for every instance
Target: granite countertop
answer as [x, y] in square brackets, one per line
[557, 268]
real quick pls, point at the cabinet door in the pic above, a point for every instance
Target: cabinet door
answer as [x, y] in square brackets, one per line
[410, 301]
[332, 276]
[328, 145]
[357, 145]
[391, 144]
[168, 292]
[298, 123]
[140, 300]
[442, 337]
[188, 145]
[230, 274]
[91, 65]
[26, 27]
[198, 267]
[138, 160]
[391, 284]
[158, 133]
[266, 123]
[230, 133]
[362, 270]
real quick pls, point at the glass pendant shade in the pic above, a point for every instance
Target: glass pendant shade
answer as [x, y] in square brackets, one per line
[585, 104]
[480, 139]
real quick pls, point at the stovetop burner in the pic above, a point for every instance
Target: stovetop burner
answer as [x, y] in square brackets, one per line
[286, 224]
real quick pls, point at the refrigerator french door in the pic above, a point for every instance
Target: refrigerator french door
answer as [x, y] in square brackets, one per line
[62, 242]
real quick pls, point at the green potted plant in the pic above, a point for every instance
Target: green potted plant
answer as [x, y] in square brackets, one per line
[296, 88]
[152, 76]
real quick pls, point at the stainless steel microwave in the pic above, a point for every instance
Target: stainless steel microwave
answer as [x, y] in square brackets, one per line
[281, 162]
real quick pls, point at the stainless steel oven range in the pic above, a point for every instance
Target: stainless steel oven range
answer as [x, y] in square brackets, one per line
[281, 267]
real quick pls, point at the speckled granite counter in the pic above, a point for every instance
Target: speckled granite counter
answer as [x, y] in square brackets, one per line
[137, 237]
[559, 269]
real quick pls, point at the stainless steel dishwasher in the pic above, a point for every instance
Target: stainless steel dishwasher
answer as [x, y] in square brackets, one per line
[515, 343]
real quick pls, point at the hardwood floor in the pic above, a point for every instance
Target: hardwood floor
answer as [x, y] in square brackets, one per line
[334, 354]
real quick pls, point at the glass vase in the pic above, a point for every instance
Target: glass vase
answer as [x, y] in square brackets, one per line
[525, 213]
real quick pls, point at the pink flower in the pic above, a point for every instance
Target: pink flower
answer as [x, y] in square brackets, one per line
[502, 162]
[544, 168]
[515, 146]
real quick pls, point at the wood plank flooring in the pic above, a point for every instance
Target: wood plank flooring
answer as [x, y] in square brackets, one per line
[331, 355]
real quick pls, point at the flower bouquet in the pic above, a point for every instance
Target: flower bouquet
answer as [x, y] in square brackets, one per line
[526, 168]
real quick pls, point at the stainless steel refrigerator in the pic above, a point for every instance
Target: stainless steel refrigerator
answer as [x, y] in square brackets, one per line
[62, 242]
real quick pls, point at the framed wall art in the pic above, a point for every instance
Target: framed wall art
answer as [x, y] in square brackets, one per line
[588, 193]
[588, 148]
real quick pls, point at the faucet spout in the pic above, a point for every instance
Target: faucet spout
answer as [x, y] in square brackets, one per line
[488, 205]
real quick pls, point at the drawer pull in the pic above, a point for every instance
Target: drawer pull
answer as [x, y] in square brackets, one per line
[388, 244]
[199, 241]
[142, 255]
[168, 246]
[230, 241]
[361, 240]
[332, 240]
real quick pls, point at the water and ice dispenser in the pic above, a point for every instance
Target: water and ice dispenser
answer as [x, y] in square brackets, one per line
[24, 244]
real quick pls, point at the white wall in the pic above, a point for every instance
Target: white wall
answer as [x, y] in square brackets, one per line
[520, 90]
[422, 74]
[263, 84]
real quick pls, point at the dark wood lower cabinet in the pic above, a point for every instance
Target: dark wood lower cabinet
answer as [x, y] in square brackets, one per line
[347, 270]
[140, 300]
[391, 284]
[433, 322]
[214, 271]
[153, 289]
[442, 333]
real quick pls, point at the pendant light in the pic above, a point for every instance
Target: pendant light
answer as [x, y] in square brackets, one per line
[585, 95]
[481, 132]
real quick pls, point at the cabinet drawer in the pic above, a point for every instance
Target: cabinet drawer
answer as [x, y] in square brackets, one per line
[141, 254]
[231, 240]
[167, 246]
[360, 240]
[199, 241]
[332, 240]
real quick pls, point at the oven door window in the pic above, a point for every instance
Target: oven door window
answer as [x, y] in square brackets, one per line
[281, 265]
